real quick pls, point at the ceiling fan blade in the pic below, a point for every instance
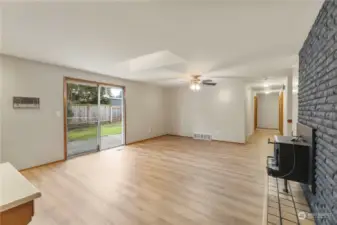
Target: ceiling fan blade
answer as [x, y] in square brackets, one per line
[211, 84]
[208, 82]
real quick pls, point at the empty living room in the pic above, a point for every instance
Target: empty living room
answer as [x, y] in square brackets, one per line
[167, 112]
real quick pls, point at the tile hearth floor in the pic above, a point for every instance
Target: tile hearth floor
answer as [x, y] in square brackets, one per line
[292, 206]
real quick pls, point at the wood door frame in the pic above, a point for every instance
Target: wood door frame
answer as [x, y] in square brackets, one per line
[255, 112]
[65, 80]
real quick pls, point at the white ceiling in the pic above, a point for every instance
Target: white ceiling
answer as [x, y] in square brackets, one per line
[162, 42]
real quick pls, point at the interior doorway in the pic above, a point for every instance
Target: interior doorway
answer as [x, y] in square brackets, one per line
[94, 116]
[268, 111]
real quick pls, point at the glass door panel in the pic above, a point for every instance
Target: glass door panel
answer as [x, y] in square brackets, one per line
[82, 118]
[111, 117]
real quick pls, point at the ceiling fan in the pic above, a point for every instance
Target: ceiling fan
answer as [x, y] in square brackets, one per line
[196, 82]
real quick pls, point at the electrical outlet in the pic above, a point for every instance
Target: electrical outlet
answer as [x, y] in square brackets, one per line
[150, 129]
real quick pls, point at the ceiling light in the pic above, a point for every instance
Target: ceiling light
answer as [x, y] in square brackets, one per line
[195, 87]
[267, 92]
[266, 85]
[195, 83]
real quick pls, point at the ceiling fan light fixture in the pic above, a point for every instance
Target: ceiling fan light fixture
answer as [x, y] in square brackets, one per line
[195, 86]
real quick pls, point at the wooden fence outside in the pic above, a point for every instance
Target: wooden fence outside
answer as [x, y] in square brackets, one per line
[88, 114]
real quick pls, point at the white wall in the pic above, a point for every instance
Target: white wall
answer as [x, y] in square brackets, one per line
[35, 137]
[287, 105]
[1, 75]
[295, 99]
[249, 111]
[267, 115]
[285, 110]
[295, 113]
[218, 110]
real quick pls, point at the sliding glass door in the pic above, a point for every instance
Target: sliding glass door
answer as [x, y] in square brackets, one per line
[94, 117]
[82, 118]
[111, 117]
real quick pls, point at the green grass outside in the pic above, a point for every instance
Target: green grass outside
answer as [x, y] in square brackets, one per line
[91, 132]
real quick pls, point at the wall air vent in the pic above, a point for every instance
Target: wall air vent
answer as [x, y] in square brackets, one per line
[199, 136]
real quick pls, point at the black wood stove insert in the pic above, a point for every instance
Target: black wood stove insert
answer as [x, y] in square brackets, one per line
[294, 157]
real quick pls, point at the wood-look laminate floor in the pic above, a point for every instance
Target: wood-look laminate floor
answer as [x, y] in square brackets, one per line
[164, 181]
